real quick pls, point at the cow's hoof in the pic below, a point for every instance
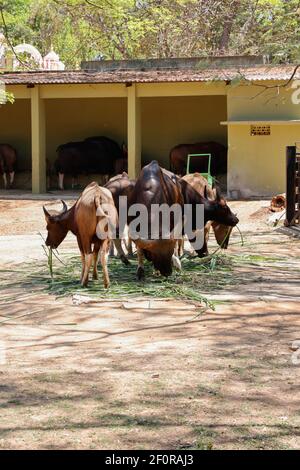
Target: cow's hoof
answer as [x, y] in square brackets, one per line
[125, 260]
[140, 274]
[203, 255]
[106, 285]
[95, 277]
[176, 263]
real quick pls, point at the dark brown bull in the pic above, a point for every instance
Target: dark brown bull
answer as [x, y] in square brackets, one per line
[121, 163]
[109, 158]
[90, 218]
[179, 157]
[222, 232]
[70, 161]
[95, 155]
[155, 187]
[8, 160]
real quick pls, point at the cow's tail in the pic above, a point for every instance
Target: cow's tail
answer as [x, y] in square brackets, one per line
[103, 227]
[99, 210]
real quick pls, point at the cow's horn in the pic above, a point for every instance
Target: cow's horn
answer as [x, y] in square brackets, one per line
[46, 212]
[65, 209]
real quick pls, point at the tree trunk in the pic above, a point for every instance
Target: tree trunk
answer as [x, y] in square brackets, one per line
[228, 25]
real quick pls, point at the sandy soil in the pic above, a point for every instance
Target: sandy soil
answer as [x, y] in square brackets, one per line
[103, 376]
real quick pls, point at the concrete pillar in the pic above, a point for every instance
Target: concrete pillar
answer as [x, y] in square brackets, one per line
[134, 132]
[38, 141]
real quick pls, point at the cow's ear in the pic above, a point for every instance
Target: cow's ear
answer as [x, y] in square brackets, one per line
[205, 192]
[218, 194]
[47, 215]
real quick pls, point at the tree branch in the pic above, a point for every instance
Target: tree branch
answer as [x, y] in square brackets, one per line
[270, 87]
[9, 41]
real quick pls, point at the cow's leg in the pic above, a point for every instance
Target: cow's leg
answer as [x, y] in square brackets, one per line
[177, 248]
[207, 231]
[112, 249]
[87, 266]
[104, 258]
[61, 177]
[74, 182]
[176, 262]
[180, 247]
[129, 247]
[204, 250]
[83, 266]
[175, 258]
[5, 180]
[11, 178]
[123, 257]
[140, 271]
[82, 258]
[96, 259]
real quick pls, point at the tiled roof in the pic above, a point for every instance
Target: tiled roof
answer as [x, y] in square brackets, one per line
[261, 72]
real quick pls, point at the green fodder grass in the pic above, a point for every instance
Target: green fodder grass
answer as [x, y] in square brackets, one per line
[195, 277]
[186, 285]
[210, 275]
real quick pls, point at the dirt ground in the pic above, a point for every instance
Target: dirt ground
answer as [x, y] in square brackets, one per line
[115, 376]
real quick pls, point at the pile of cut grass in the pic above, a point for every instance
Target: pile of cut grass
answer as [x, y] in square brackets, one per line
[63, 280]
[185, 285]
[197, 280]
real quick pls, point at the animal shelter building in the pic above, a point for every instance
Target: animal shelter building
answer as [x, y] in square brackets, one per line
[153, 105]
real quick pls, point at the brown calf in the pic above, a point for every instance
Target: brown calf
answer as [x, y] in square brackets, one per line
[90, 220]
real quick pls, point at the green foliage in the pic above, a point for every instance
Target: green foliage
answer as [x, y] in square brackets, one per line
[9, 97]
[5, 97]
[122, 29]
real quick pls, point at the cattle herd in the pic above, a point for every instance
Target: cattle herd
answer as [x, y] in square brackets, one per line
[102, 155]
[96, 227]
[95, 155]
